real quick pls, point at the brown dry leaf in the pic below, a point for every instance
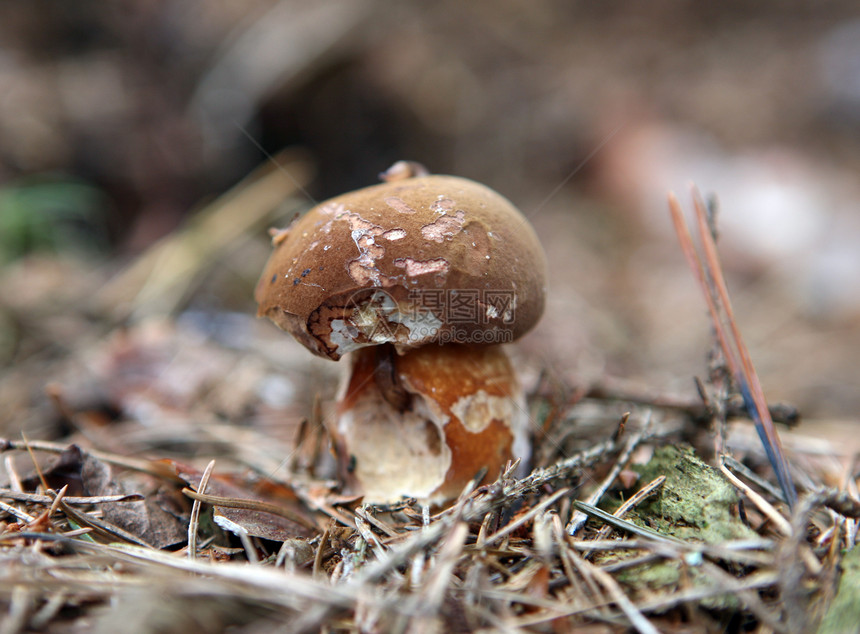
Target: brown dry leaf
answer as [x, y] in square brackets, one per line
[60, 470]
[256, 523]
[159, 519]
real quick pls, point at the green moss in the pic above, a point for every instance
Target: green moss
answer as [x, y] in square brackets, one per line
[843, 615]
[695, 503]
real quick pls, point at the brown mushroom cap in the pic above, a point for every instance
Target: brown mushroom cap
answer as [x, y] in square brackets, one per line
[409, 262]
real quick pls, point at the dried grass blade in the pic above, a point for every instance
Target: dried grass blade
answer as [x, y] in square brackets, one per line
[712, 283]
[623, 525]
[101, 526]
[195, 512]
[34, 498]
[694, 262]
[526, 517]
[252, 505]
[439, 580]
[747, 377]
[579, 518]
[636, 618]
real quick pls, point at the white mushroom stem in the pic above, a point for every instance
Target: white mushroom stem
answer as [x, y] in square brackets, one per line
[426, 425]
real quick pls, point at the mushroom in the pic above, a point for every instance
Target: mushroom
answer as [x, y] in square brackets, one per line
[419, 280]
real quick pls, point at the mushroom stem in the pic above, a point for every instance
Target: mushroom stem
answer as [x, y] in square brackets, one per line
[386, 377]
[424, 423]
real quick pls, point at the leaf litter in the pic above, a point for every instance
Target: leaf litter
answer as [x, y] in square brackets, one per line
[156, 511]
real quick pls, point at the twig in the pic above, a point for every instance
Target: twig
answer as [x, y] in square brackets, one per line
[755, 581]
[135, 464]
[751, 475]
[34, 498]
[318, 556]
[746, 595]
[21, 515]
[579, 518]
[12, 473]
[763, 505]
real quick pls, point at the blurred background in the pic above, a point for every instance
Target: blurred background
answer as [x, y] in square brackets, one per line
[146, 146]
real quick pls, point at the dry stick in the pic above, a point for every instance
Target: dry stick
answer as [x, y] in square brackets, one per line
[364, 513]
[557, 609]
[809, 558]
[21, 515]
[430, 534]
[295, 591]
[563, 469]
[135, 464]
[489, 518]
[28, 447]
[20, 604]
[614, 389]
[794, 558]
[298, 441]
[640, 495]
[58, 497]
[735, 552]
[325, 507]
[564, 550]
[474, 584]
[755, 581]
[195, 512]
[739, 467]
[48, 611]
[12, 473]
[599, 605]
[316, 571]
[34, 498]
[763, 505]
[369, 538]
[247, 545]
[579, 518]
[842, 502]
[706, 280]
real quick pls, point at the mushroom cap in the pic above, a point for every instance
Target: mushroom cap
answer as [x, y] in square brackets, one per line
[429, 259]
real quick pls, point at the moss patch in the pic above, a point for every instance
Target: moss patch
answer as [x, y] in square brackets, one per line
[843, 616]
[695, 503]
